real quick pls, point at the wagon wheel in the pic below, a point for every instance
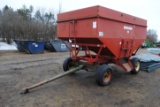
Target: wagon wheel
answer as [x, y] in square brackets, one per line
[68, 64]
[136, 66]
[104, 75]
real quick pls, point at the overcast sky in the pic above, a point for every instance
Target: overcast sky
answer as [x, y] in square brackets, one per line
[147, 9]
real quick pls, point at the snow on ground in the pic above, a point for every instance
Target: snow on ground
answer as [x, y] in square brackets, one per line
[5, 46]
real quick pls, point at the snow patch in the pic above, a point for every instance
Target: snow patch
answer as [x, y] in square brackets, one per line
[5, 46]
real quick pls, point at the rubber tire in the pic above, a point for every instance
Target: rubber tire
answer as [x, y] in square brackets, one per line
[66, 63]
[134, 61]
[100, 75]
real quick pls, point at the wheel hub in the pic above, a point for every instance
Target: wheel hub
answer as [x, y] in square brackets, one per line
[107, 76]
[137, 67]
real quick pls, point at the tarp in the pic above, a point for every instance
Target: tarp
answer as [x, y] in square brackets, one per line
[148, 57]
[154, 50]
[149, 62]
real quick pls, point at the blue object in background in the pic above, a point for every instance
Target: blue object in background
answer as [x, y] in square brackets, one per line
[20, 45]
[59, 46]
[32, 47]
[48, 46]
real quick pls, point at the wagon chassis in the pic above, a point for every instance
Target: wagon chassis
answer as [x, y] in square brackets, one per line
[98, 59]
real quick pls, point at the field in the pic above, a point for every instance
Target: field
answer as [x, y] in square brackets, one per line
[18, 70]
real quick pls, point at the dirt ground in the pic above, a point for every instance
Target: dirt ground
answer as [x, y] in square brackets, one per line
[18, 70]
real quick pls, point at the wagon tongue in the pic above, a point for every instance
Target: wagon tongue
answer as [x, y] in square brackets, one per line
[26, 90]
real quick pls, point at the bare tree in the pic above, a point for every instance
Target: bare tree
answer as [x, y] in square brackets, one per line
[7, 23]
[152, 35]
[47, 24]
[22, 24]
